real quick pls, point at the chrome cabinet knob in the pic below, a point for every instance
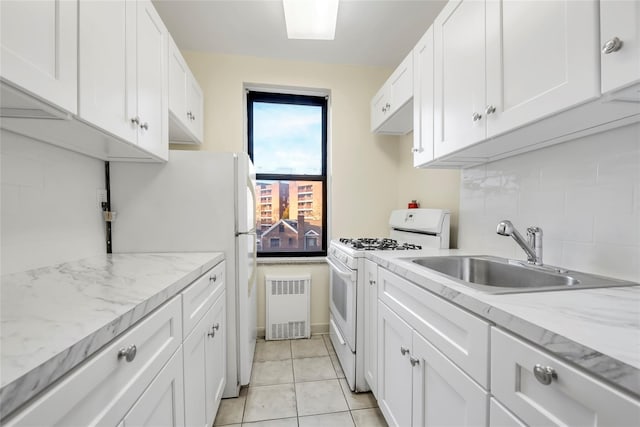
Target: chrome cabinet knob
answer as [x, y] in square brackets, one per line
[544, 374]
[135, 120]
[613, 45]
[476, 116]
[144, 126]
[214, 328]
[189, 114]
[372, 282]
[414, 361]
[490, 110]
[404, 350]
[213, 278]
[129, 353]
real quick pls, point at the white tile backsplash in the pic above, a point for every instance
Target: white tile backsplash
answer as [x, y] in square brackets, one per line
[48, 208]
[584, 194]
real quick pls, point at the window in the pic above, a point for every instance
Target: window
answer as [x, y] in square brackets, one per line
[288, 146]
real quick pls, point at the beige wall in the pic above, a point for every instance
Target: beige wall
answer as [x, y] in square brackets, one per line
[370, 174]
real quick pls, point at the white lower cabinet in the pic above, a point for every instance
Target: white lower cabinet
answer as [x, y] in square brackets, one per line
[543, 390]
[371, 325]
[204, 366]
[162, 403]
[102, 390]
[418, 385]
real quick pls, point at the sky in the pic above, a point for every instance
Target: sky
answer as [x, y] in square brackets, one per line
[287, 139]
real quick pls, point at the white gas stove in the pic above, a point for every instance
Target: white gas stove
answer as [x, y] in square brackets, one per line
[411, 229]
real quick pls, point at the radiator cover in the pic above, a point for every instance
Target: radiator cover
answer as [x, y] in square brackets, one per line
[288, 300]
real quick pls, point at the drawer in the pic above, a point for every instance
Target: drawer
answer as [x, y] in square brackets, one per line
[200, 295]
[499, 416]
[572, 398]
[102, 389]
[459, 335]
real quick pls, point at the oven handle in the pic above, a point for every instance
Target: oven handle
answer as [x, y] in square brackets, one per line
[340, 271]
[335, 328]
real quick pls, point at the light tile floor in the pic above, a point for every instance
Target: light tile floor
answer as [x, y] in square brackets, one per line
[298, 383]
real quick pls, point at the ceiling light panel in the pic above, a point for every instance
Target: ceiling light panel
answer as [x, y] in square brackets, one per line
[311, 19]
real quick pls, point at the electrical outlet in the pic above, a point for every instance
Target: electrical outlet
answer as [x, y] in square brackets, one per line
[101, 195]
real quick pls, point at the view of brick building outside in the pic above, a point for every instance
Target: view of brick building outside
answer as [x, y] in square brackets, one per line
[289, 215]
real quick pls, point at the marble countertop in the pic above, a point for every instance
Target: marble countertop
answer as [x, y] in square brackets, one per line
[53, 318]
[596, 329]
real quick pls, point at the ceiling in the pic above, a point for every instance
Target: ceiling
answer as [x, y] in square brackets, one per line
[368, 32]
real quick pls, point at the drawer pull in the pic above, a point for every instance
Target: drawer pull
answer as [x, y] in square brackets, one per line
[213, 278]
[544, 374]
[404, 350]
[129, 353]
[414, 361]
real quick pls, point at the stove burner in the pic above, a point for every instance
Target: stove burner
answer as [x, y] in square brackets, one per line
[372, 243]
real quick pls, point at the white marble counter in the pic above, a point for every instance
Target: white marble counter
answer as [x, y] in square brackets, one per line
[596, 329]
[53, 318]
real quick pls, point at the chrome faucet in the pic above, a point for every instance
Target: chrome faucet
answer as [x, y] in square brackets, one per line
[532, 247]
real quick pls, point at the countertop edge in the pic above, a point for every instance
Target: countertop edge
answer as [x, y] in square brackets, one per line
[23, 389]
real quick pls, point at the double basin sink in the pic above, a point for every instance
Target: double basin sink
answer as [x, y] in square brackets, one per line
[500, 275]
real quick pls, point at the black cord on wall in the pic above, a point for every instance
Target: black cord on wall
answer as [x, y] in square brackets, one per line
[106, 206]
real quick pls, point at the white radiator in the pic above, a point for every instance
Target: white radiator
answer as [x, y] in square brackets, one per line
[288, 300]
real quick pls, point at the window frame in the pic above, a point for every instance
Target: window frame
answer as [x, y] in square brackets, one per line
[295, 99]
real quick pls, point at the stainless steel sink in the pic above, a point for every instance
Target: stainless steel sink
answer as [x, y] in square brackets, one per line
[500, 275]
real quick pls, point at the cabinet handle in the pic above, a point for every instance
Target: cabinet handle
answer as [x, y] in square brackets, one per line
[414, 361]
[490, 110]
[404, 350]
[372, 282]
[544, 374]
[144, 126]
[214, 328]
[129, 353]
[384, 109]
[613, 45]
[213, 278]
[193, 117]
[476, 116]
[135, 120]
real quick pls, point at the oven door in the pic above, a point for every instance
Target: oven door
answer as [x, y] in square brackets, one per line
[342, 299]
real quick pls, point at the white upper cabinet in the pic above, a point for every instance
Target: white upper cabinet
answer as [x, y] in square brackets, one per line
[620, 47]
[185, 101]
[123, 72]
[423, 100]
[39, 42]
[459, 32]
[391, 109]
[541, 59]
[107, 76]
[153, 106]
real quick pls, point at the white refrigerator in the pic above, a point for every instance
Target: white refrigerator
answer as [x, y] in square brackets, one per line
[197, 202]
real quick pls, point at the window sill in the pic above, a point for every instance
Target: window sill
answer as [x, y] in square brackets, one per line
[291, 260]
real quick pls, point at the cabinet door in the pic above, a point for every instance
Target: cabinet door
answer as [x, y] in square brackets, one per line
[379, 107]
[423, 100]
[152, 85]
[107, 69]
[178, 82]
[205, 366]
[39, 49]
[541, 59]
[216, 358]
[459, 31]
[394, 369]
[443, 395]
[568, 398]
[621, 67]
[371, 325]
[162, 404]
[196, 108]
[401, 85]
